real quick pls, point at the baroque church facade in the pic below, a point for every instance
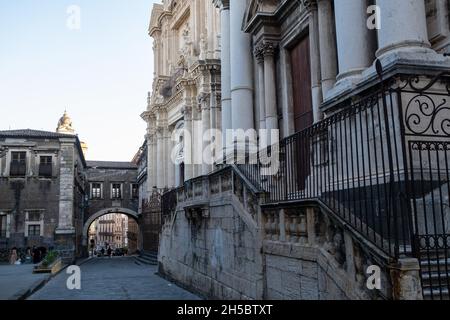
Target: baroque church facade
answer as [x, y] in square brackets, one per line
[357, 90]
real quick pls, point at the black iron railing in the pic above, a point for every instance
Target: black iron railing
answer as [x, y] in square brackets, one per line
[356, 162]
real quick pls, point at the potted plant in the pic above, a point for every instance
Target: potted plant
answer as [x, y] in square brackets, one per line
[50, 264]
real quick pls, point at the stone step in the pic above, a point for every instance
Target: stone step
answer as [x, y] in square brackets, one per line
[434, 265]
[435, 280]
[436, 294]
[147, 260]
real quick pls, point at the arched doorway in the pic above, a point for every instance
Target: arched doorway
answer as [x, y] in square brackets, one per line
[130, 213]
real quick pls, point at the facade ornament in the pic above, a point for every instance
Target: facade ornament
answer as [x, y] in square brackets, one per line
[258, 52]
[268, 48]
[203, 46]
[203, 100]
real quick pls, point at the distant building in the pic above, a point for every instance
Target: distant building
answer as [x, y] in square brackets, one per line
[110, 230]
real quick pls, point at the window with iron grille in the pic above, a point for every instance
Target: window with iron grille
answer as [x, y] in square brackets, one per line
[18, 167]
[34, 230]
[96, 190]
[45, 166]
[116, 192]
[135, 191]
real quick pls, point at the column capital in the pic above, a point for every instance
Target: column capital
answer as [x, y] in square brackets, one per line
[258, 53]
[264, 49]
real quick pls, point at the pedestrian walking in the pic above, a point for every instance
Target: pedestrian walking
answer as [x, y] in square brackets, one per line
[13, 258]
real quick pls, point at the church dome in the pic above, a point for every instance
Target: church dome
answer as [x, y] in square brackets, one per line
[65, 124]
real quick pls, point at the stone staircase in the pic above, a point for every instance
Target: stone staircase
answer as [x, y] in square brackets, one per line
[435, 276]
[147, 258]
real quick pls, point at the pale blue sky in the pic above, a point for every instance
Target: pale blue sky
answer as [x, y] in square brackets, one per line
[101, 73]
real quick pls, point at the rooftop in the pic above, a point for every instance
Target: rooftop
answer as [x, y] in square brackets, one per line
[111, 165]
[29, 133]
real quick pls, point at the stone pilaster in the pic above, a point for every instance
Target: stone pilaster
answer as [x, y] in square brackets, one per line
[65, 232]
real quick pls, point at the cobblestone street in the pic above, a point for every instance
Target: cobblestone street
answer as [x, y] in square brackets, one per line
[114, 279]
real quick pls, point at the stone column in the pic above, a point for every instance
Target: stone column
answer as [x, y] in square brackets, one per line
[154, 160]
[327, 43]
[270, 96]
[170, 168]
[150, 164]
[259, 56]
[403, 26]
[316, 90]
[353, 38]
[225, 66]
[188, 174]
[241, 70]
[160, 156]
[204, 101]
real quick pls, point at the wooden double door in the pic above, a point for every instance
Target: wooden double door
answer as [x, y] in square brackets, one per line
[303, 112]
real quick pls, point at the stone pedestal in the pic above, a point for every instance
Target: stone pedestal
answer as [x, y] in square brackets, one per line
[65, 244]
[405, 277]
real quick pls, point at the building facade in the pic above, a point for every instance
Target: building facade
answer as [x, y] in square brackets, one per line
[113, 198]
[110, 230]
[359, 96]
[185, 97]
[43, 189]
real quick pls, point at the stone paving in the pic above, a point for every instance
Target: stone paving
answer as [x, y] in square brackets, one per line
[117, 278]
[16, 279]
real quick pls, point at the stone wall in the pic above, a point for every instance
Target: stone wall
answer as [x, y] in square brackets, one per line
[216, 256]
[210, 243]
[217, 244]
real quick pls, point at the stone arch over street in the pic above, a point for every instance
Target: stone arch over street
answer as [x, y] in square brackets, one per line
[128, 212]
